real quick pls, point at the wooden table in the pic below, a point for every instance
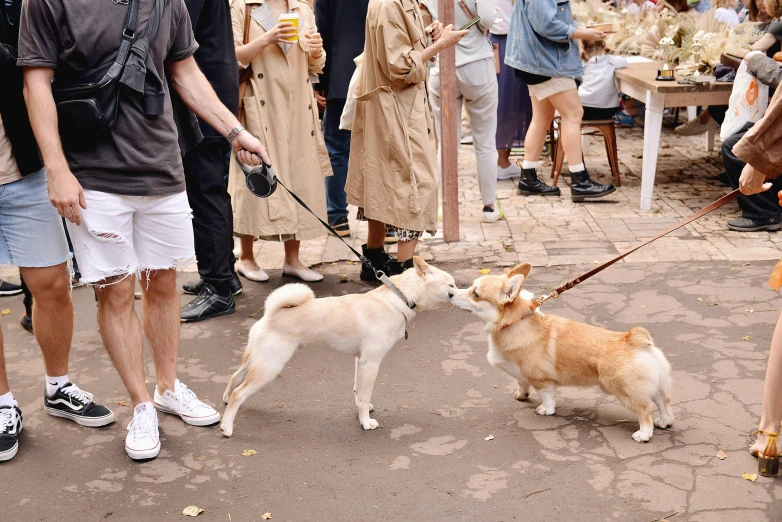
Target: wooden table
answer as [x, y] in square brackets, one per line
[637, 80]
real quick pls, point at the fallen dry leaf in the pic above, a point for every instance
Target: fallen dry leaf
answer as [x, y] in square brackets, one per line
[121, 403]
[752, 477]
[483, 271]
[192, 511]
[490, 437]
[745, 338]
[721, 455]
[5, 312]
[700, 300]
[201, 458]
[249, 452]
[266, 516]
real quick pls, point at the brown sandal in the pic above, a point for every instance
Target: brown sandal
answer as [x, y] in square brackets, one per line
[768, 460]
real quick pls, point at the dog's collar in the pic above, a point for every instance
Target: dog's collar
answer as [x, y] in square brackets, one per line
[391, 286]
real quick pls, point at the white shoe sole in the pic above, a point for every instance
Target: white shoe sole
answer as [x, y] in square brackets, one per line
[90, 422]
[193, 421]
[491, 219]
[143, 454]
[9, 454]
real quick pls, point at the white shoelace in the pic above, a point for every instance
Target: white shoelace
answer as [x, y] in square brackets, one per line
[77, 393]
[188, 399]
[7, 419]
[143, 425]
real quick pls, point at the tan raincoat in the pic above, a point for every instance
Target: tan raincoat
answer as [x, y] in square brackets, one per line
[393, 150]
[280, 109]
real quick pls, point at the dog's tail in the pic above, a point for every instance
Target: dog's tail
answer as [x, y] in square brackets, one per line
[640, 338]
[288, 296]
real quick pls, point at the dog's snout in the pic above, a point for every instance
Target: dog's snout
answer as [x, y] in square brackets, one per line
[451, 294]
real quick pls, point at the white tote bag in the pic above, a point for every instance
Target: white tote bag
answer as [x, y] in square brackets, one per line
[748, 102]
[349, 112]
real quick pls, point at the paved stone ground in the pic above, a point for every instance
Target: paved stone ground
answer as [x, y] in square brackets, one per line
[555, 231]
[437, 400]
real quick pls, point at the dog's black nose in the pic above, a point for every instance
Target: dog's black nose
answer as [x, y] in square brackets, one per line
[450, 295]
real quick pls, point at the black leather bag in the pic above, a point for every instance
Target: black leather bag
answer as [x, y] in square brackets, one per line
[88, 102]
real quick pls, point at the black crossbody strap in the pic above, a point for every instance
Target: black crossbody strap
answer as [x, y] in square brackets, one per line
[128, 32]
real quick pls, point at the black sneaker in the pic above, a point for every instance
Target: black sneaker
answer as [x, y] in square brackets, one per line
[75, 404]
[7, 288]
[27, 322]
[195, 287]
[743, 224]
[341, 227]
[207, 305]
[10, 428]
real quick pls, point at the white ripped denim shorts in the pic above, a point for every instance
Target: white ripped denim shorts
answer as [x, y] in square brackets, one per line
[129, 235]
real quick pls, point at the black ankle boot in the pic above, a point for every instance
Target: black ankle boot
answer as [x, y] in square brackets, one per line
[582, 187]
[531, 185]
[396, 268]
[379, 259]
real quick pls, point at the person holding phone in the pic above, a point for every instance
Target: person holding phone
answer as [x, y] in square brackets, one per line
[392, 174]
[279, 106]
[540, 46]
[476, 86]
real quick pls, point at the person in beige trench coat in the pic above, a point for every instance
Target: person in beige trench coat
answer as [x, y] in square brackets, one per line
[392, 174]
[279, 107]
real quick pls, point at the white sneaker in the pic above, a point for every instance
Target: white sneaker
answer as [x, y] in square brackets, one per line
[692, 128]
[183, 402]
[494, 215]
[511, 171]
[255, 273]
[143, 440]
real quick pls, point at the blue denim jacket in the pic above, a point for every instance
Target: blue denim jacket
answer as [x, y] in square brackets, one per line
[539, 39]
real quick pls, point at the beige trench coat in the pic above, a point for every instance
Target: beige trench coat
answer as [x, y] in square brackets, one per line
[280, 109]
[393, 150]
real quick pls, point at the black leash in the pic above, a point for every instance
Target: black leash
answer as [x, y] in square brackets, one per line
[272, 178]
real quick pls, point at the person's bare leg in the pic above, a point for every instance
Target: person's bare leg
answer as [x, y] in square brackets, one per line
[376, 234]
[535, 139]
[121, 334]
[771, 414]
[569, 106]
[160, 317]
[503, 158]
[405, 250]
[52, 315]
[3, 377]
[246, 243]
[292, 254]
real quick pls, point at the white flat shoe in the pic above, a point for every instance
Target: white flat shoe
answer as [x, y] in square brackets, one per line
[258, 275]
[307, 275]
[509, 172]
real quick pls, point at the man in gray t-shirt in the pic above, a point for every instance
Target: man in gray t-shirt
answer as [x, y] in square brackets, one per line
[124, 194]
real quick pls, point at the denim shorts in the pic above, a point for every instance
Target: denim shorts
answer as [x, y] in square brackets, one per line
[31, 231]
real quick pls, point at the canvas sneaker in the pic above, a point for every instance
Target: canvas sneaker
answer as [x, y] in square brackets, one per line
[490, 215]
[10, 428]
[184, 403]
[71, 402]
[143, 440]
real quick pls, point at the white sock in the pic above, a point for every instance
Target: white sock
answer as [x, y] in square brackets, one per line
[55, 383]
[8, 400]
[577, 168]
[529, 164]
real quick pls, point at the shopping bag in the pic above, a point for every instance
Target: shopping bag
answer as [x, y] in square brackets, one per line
[349, 112]
[748, 102]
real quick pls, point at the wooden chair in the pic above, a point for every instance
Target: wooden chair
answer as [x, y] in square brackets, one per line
[604, 127]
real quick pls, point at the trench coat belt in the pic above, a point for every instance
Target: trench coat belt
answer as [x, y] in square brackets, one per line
[415, 204]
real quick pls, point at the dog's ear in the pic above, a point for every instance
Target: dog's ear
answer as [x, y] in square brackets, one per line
[523, 269]
[511, 289]
[420, 265]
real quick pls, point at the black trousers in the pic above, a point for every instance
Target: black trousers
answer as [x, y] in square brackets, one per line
[759, 206]
[207, 191]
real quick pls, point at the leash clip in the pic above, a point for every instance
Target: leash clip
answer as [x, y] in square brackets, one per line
[552, 295]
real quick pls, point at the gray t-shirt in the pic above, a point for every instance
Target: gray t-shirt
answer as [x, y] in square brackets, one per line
[140, 157]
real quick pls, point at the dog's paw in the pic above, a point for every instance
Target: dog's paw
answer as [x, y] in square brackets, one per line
[520, 395]
[371, 408]
[663, 424]
[542, 410]
[227, 430]
[641, 436]
[226, 398]
[371, 424]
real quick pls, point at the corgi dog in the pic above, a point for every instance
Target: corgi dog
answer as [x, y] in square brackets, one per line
[365, 326]
[544, 351]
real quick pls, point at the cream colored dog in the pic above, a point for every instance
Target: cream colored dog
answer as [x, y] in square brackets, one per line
[544, 351]
[366, 326]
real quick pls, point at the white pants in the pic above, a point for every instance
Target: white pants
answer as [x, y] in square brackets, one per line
[128, 235]
[476, 85]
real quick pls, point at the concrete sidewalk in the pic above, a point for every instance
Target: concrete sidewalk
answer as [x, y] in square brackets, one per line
[437, 401]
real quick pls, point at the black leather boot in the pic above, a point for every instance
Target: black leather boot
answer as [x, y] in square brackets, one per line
[582, 187]
[531, 185]
[396, 268]
[379, 259]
